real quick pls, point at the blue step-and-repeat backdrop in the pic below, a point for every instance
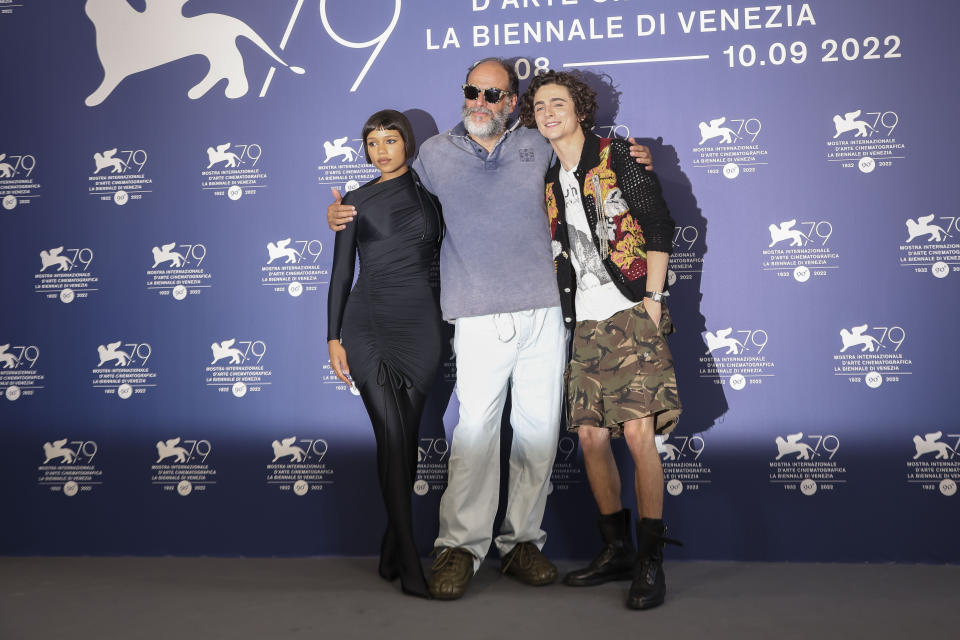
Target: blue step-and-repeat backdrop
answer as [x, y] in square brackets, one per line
[165, 167]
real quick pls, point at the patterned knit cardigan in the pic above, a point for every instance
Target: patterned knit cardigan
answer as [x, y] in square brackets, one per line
[625, 210]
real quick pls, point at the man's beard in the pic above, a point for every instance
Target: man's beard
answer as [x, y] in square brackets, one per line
[493, 127]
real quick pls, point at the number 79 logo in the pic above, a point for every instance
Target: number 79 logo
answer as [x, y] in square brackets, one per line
[376, 42]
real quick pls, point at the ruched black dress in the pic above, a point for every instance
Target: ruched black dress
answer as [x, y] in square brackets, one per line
[390, 327]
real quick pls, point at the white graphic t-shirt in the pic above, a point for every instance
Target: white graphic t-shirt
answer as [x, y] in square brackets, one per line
[597, 296]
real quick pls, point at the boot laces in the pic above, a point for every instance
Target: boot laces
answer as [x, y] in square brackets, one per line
[654, 552]
[447, 556]
[672, 541]
[523, 555]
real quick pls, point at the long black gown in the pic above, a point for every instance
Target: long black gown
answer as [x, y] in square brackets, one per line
[390, 327]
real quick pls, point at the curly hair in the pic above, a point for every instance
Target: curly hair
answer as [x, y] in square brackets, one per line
[584, 98]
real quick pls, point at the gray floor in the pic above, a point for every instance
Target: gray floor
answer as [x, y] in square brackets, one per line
[261, 599]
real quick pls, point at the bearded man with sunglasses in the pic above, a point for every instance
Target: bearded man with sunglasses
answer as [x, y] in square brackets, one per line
[498, 287]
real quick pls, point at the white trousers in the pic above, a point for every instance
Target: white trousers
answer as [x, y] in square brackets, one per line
[527, 351]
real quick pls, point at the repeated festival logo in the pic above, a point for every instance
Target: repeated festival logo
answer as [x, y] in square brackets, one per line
[234, 171]
[730, 147]
[183, 465]
[736, 357]
[344, 165]
[123, 370]
[299, 465]
[683, 467]
[10, 7]
[865, 140]
[567, 470]
[807, 463]
[237, 367]
[69, 467]
[872, 355]
[686, 260]
[800, 250]
[293, 267]
[66, 274]
[177, 270]
[18, 184]
[932, 245]
[935, 465]
[119, 175]
[19, 374]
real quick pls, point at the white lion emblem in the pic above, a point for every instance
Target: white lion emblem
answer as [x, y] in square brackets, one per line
[131, 41]
[785, 231]
[857, 336]
[113, 352]
[722, 340]
[53, 257]
[849, 122]
[286, 447]
[281, 250]
[165, 253]
[714, 130]
[226, 349]
[338, 148]
[922, 227]
[793, 445]
[169, 449]
[56, 450]
[928, 444]
[220, 154]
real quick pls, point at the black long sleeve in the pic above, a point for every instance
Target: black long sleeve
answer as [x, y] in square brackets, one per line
[341, 276]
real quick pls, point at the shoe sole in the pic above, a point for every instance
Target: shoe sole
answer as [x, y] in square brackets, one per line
[645, 604]
[592, 582]
[448, 596]
[538, 583]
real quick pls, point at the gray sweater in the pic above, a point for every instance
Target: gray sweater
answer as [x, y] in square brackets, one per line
[496, 255]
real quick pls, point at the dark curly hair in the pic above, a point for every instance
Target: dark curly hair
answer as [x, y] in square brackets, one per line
[391, 121]
[584, 98]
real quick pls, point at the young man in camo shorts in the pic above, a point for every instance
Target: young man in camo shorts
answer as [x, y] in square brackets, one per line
[612, 236]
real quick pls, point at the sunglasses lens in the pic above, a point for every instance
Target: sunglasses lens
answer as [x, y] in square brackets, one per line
[492, 95]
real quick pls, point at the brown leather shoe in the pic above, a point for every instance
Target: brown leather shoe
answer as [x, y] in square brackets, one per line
[452, 571]
[527, 564]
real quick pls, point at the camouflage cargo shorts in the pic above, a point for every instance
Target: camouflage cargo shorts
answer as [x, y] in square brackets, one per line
[621, 369]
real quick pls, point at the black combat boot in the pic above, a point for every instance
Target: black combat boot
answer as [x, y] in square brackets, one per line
[615, 561]
[649, 586]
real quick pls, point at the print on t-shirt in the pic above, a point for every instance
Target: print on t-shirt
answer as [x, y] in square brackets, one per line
[583, 253]
[586, 261]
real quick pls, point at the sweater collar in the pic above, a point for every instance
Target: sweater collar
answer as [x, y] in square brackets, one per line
[589, 157]
[591, 152]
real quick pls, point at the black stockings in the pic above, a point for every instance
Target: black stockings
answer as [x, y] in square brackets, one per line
[395, 414]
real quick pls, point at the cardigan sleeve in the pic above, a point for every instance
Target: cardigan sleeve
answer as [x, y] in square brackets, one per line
[641, 190]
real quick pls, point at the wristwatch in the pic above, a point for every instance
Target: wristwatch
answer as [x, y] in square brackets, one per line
[656, 296]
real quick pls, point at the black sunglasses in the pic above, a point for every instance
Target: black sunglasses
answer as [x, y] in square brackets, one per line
[492, 95]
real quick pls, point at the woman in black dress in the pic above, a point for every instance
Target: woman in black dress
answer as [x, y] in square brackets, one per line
[390, 323]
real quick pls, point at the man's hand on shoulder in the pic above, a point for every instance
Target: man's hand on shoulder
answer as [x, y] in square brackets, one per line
[338, 215]
[641, 154]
